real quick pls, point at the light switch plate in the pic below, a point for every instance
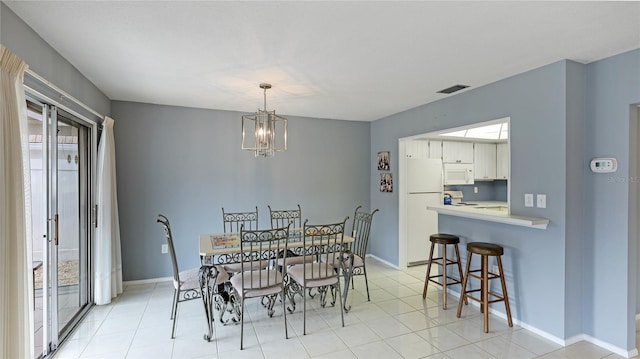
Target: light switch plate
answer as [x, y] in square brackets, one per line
[542, 200]
[164, 249]
[528, 199]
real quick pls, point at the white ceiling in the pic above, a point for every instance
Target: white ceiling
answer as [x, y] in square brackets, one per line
[341, 60]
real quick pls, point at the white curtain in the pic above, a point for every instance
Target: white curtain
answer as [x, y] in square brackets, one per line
[107, 257]
[16, 283]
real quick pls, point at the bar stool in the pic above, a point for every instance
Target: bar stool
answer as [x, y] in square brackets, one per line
[485, 250]
[443, 240]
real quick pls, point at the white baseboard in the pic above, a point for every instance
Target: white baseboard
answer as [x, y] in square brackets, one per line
[602, 344]
[564, 342]
[383, 261]
[147, 281]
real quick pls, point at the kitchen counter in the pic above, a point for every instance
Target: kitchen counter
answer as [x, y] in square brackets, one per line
[493, 211]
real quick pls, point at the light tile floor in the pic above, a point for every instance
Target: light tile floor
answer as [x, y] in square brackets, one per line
[397, 323]
[68, 300]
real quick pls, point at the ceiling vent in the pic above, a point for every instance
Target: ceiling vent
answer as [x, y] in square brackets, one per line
[453, 89]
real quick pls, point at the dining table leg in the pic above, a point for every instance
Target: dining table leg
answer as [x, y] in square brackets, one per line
[347, 272]
[206, 275]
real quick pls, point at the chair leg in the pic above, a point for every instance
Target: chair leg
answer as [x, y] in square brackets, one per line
[242, 322]
[304, 312]
[366, 282]
[426, 279]
[460, 272]
[175, 303]
[485, 291]
[463, 292]
[444, 275]
[341, 304]
[175, 317]
[504, 292]
[284, 311]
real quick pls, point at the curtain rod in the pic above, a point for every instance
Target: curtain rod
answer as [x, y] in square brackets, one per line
[63, 93]
[39, 97]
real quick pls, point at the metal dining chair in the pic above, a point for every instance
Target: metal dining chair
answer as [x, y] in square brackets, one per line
[252, 282]
[360, 232]
[232, 223]
[285, 217]
[319, 275]
[354, 258]
[186, 284]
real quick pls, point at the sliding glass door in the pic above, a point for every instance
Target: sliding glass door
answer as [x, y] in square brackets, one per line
[61, 160]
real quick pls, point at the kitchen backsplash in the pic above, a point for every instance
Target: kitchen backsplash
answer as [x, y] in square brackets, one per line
[487, 191]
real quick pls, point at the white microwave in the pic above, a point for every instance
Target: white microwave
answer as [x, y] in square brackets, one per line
[458, 173]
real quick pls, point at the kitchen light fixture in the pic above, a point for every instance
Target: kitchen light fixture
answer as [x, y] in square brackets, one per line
[496, 131]
[269, 130]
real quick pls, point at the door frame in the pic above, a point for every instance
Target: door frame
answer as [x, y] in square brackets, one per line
[53, 338]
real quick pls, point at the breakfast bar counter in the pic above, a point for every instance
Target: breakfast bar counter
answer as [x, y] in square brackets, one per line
[490, 211]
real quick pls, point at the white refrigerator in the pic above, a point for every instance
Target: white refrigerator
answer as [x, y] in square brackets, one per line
[424, 188]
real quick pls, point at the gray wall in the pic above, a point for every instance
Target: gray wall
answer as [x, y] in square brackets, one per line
[576, 171]
[579, 275]
[613, 85]
[535, 102]
[48, 63]
[187, 164]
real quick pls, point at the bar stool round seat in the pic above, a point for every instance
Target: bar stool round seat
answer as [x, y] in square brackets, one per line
[443, 239]
[485, 250]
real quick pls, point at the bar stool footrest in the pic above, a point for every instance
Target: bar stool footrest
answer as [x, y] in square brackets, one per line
[454, 281]
[479, 277]
[500, 297]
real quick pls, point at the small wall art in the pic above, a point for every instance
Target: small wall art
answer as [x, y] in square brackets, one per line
[386, 182]
[383, 161]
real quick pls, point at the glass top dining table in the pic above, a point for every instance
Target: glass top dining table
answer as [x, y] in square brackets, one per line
[218, 249]
[223, 244]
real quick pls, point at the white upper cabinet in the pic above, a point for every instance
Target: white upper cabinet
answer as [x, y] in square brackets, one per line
[502, 161]
[417, 149]
[457, 152]
[484, 161]
[435, 149]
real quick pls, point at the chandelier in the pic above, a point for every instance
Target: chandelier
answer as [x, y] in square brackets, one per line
[269, 130]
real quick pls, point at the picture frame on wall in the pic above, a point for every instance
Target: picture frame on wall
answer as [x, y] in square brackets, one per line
[386, 182]
[383, 160]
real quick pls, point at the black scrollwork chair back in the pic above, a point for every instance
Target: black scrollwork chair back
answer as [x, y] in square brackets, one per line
[186, 285]
[326, 238]
[257, 246]
[233, 222]
[284, 217]
[360, 232]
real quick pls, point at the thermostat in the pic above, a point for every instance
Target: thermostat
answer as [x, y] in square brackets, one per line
[604, 165]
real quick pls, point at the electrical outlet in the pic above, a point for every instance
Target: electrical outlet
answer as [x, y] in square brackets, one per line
[542, 200]
[475, 189]
[495, 269]
[528, 199]
[164, 249]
